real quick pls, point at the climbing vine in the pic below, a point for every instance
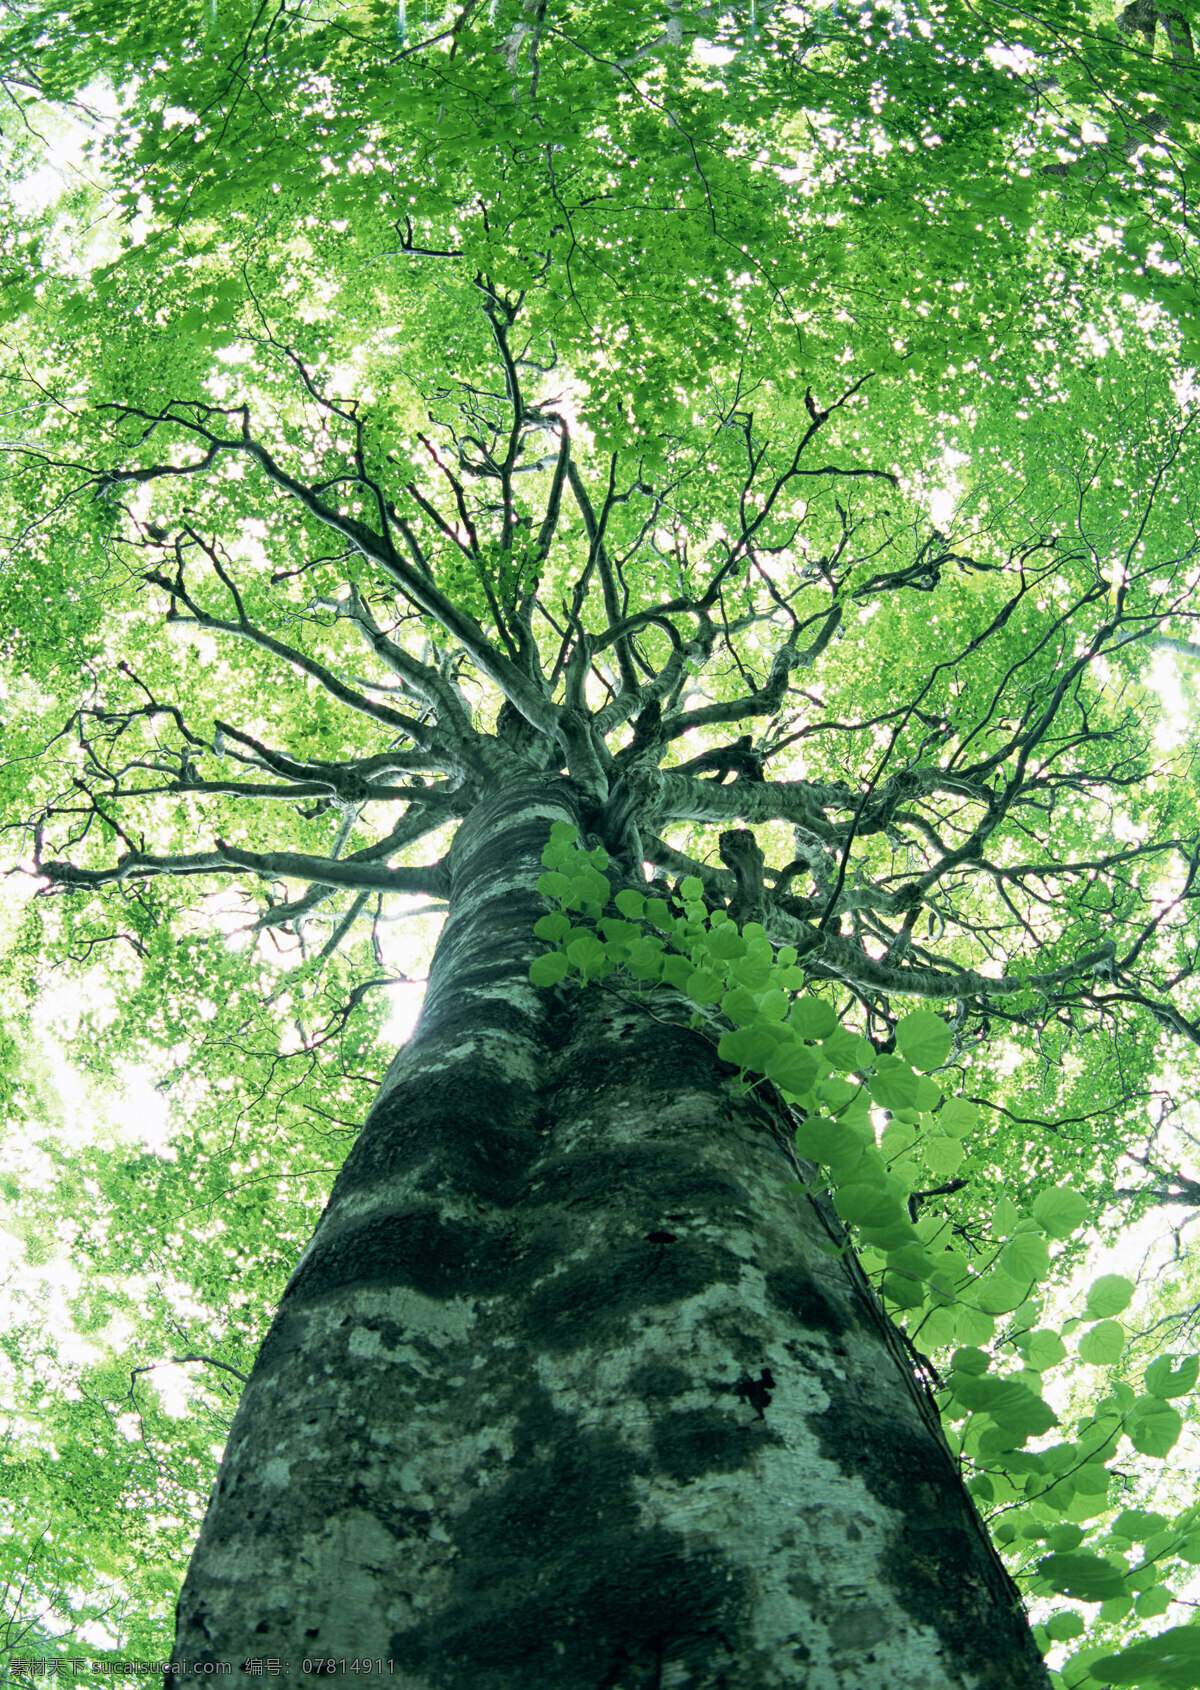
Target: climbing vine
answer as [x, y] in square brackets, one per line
[968, 1300]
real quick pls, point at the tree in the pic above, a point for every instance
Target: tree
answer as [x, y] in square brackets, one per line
[552, 1179]
[912, 770]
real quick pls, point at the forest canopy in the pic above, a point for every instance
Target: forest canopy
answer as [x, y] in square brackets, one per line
[783, 420]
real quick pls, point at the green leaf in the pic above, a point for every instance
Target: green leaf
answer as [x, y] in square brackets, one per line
[586, 952]
[896, 1234]
[996, 1293]
[1063, 1626]
[752, 970]
[957, 1117]
[1153, 1602]
[903, 1290]
[846, 1098]
[974, 1326]
[897, 1137]
[1005, 1217]
[594, 888]
[923, 1039]
[645, 960]
[692, 888]
[549, 969]
[1015, 1410]
[619, 934]
[893, 1085]
[747, 1047]
[1088, 1578]
[815, 1137]
[813, 1018]
[1146, 1576]
[1062, 1212]
[631, 904]
[740, 1005]
[552, 927]
[866, 1205]
[1137, 1524]
[554, 885]
[1091, 1479]
[1164, 1381]
[725, 942]
[793, 1068]
[1170, 1661]
[848, 1052]
[1026, 1257]
[1043, 1349]
[1104, 1344]
[1153, 1426]
[939, 1327]
[978, 1392]
[929, 1093]
[1026, 1417]
[1108, 1295]
[943, 1156]
[704, 986]
[849, 1155]
[912, 1259]
[969, 1360]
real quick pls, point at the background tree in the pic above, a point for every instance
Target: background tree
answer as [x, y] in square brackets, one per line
[730, 568]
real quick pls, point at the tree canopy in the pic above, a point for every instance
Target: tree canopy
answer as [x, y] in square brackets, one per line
[781, 421]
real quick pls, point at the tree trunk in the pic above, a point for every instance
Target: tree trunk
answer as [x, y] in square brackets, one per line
[568, 1392]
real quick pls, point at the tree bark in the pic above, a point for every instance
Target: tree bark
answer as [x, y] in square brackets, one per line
[569, 1393]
